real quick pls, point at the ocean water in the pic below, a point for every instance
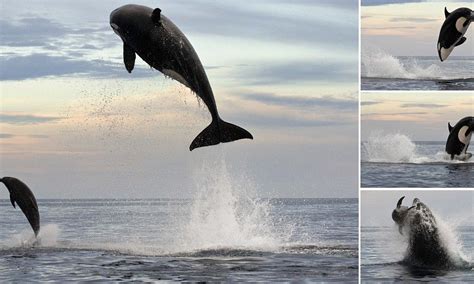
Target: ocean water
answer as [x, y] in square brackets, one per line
[383, 71]
[221, 235]
[394, 160]
[383, 250]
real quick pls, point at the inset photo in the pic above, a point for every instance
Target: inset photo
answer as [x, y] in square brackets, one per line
[417, 45]
[417, 140]
[410, 236]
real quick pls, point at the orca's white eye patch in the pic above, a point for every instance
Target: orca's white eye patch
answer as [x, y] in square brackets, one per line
[460, 27]
[462, 135]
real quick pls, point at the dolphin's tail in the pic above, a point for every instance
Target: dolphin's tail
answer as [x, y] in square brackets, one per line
[217, 132]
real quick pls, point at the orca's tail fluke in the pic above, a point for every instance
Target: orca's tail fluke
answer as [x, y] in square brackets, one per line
[217, 132]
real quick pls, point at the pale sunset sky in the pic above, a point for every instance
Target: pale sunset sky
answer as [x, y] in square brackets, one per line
[409, 28]
[75, 124]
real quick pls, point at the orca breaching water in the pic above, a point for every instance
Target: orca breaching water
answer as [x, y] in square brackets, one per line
[160, 43]
[453, 29]
[21, 194]
[425, 247]
[459, 138]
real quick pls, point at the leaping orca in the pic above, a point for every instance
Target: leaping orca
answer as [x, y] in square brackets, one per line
[23, 196]
[459, 138]
[453, 29]
[425, 246]
[161, 44]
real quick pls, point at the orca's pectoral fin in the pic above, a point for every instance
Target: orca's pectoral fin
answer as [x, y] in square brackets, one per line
[12, 201]
[461, 41]
[446, 13]
[400, 230]
[128, 57]
[450, 127]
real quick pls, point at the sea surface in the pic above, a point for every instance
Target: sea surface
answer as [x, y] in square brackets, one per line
[383, 249]
[382, 71]
[227, 236]
[396, 161]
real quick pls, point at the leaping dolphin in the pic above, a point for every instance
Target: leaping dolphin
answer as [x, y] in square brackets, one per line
[453, 29]
[459, 138]
[160, 43]
[23, 196]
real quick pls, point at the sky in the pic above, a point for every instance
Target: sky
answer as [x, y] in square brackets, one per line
[75, 124]
[409, 28]
[422, 116]
[454, 207]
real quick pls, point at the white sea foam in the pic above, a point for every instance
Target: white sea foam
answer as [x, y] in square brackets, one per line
[398, 148]
[377, 63]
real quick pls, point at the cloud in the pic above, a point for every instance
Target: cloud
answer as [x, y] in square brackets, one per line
[418, 105]
[36, 31]
[386, 2]
[31, 31]
[366, 103]
[6, 135]
[279, 24]
[286, 73]
[394, 113]
[416, 20]
[42, 65]
[23, 119]
[302, 102]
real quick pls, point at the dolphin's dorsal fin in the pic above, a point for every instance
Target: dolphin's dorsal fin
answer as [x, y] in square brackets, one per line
[450, 127]
[156, 16]
[461, 41]
[446, 13]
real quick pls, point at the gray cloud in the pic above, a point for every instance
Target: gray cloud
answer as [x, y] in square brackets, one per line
[369, 103]
[38, 136]
[395, 113]
[385, 2]
[41, 65]
[31, 31]
[6, 135]
[410, 105]
[282, 121]
[23, 119]
[302, 102]
[302, 71]
[416, 20]
[240, 21]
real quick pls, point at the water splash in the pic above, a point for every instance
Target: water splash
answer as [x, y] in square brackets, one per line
[452, 243]
[47, 237]
[399, 148]
[449, 242]
[376, 63]
[389, 148]
[225, 213]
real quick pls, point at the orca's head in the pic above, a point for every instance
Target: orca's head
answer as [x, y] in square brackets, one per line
[133, 22]
[400, 213]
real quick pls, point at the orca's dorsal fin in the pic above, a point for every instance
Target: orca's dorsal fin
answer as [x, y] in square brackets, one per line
[156, 16]
[446, 13]
[461, 41]
[450, 127]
